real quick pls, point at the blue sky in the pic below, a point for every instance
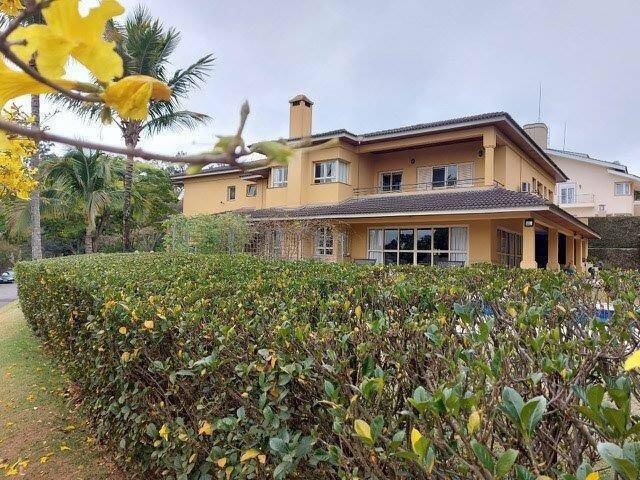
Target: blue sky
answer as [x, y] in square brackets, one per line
[371, 65]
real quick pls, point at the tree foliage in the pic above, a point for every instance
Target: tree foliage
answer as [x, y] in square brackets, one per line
[201, 367]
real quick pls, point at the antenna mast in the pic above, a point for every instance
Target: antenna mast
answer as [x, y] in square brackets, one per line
[539, 102]
[564, 141]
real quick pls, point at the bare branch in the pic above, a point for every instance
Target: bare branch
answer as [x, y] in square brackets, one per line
[41, 135]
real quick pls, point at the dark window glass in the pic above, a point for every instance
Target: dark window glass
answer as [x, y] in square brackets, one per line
[438, 177]
[441, 239]
[252, 190]
[386, 183]
[439, 258]
[406, 239]
[391, 239]
[424, 239]
[390, 258]
[396, 181]
[424, 258]
[318, 170]
[231, 193]
[406, 258]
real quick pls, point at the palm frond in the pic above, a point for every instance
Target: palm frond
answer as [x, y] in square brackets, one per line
[191, 77]
[173, 120]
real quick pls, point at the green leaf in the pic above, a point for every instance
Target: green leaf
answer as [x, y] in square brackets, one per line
[505, 462]
[614, 456]
[377, 425]
[512, 404]
[276, 151]
[483, 454]
[371, 386]
[532, 413]
[278, 445]
[524, 474]
[617, 419]
[419, 400]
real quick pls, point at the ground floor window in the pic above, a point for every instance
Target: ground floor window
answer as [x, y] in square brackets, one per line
[324, 242]
[419, 246]
[509, 248]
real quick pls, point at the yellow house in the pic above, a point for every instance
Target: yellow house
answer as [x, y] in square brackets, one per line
[473, 189]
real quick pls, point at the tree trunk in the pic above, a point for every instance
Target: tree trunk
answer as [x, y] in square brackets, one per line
[88, 241]
[34, 202]
[131, 135]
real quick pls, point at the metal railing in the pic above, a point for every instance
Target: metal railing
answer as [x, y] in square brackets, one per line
[422, 187]
[576, 199]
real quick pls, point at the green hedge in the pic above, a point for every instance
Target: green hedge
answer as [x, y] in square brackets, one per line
[195, 366]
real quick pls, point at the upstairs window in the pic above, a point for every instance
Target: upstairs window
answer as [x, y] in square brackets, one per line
[391, 181]
[279, 176]
[252, 190]
[445, 176]
[567, 193]
[231, 192]
[622, 189]
[331, 171]
[526, 187]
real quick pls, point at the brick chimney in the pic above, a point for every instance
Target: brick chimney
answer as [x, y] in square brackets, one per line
[539, 132]
[300, 110]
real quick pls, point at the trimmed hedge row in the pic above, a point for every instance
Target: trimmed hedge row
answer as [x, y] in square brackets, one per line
[195, 366]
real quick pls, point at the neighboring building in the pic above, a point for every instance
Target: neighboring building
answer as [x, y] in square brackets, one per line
[595, 187]
[447, 193]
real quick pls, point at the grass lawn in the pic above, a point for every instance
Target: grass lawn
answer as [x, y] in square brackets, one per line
[40, 435]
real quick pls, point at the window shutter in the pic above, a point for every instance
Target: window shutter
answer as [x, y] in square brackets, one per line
[424, 178]
[466, 172]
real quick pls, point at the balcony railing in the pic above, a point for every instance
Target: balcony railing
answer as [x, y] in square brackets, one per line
[576, 199]
[422, 187]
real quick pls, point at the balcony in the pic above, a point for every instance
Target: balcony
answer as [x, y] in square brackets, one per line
[576, 200]
[423, 187]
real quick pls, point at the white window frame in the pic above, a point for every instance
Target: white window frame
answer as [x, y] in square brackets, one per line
[340, 171]
[567, 198]
[525, 187]
[323, 242]
[371, 253]
[446, 183]
[626, 189]
[253, 186]
[279, 177]
[231, 188]
[391, 187]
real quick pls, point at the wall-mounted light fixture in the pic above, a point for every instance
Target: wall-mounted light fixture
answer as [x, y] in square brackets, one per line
[480, 153]
[413, 160]
[529, 222]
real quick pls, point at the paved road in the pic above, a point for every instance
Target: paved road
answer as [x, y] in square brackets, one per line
[8, 293]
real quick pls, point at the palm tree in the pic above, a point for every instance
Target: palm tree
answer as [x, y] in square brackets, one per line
[85, 179]
[145, 46]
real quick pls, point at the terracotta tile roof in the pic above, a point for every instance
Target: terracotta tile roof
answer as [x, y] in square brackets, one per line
[464, 200]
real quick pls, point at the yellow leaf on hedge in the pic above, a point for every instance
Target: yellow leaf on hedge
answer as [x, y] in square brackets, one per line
[525, 290]
[249, 454]
[221, 462]
[416, 436]
[593, 476]
[358, 311]
[125, 357]
[363, 429]
[205, 428]
[633, 361]
[164, 432]
[148, 324]
[262, 459]
[131, 95]
[123, 330]
[474, 422]
[512, 311]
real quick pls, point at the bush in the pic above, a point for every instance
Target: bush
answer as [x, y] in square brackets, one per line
[195, 366]
[217, 233]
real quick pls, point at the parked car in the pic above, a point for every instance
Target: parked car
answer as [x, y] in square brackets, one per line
[7, 277]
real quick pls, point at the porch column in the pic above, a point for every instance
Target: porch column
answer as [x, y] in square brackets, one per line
[489, 144]
[528, 245]
[489, 164]
[585, 248]
[570, 254]
[579, 262]
[552, 254]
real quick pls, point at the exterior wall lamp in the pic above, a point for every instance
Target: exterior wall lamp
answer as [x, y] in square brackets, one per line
[529, 222]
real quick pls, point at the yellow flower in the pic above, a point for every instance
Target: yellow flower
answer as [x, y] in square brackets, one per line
[122, 330]
[131, 95]
[633, 361]
[68, 34]
[164, 432]
[14, 84]
[205, 428]
[593, 476]
[11, 7]
[148, 324]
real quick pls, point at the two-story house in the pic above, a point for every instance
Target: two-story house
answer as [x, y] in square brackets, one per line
[595, 187]
[451, 192]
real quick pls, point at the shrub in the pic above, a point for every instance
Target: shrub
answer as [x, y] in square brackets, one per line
[217, 233]
[195, 366]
